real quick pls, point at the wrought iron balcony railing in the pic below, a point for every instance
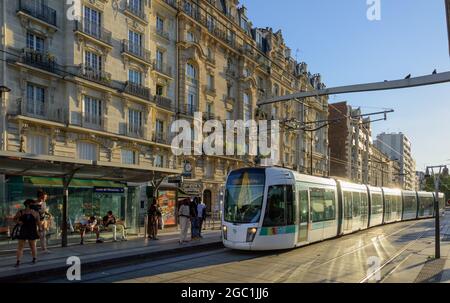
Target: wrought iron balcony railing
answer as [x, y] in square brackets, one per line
[135, 130]
[172, 3]
[162, 33]
[136, 50]
[189, 109]
[164, 102]
[160, 137]
[93, 74]
[162, 68]
[38, 10]
[137, 90]
[41, 60]
[92, 29]
[137, 11]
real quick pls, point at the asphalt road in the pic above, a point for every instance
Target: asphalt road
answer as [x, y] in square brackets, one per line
[368, 256]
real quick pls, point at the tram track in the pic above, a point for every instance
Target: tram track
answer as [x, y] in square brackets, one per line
[397, 254]
[383, 237]
[171, 262]
[400, 254]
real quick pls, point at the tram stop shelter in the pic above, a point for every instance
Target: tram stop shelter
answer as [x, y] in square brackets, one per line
[22, 164]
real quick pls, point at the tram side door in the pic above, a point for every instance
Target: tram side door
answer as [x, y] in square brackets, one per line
[348, 212]
[303, 222]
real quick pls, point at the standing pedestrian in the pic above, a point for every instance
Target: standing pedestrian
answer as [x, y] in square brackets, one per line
[201, 216]
[153, 219]
[28, 221]
[184, 218]
[40, 206]
[194, 219]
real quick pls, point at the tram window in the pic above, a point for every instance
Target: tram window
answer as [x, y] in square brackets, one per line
[410, 203]
[348, 212]
[377, 204]
[398, 201]
[290, 206]
[303, 206]
[322, 205]
[356, 204]
[280, 206]
[364, 203]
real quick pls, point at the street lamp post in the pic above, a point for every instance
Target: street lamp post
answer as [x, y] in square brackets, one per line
[442, 169]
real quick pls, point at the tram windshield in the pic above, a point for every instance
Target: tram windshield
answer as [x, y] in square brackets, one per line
[244, 196]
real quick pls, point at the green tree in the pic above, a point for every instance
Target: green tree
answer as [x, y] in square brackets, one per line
[444, 186]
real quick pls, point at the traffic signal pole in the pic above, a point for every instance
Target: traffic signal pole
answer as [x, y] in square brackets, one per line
[437, 232]
[437, 180]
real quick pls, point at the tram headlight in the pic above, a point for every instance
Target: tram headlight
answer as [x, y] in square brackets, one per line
[225, 232]
[251, 233]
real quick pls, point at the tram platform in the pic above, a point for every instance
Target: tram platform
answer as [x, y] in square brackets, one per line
[93, 254]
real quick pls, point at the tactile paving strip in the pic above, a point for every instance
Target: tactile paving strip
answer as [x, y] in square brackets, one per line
[431, 272]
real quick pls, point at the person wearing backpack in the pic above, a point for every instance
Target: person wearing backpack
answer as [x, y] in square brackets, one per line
[27, 229]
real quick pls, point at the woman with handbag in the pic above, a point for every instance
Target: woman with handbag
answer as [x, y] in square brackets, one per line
[27, 229]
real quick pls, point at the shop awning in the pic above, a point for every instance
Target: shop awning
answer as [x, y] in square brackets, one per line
[22, 164]
[49, 182]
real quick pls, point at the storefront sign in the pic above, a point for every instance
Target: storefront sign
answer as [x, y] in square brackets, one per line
[109, 190]
[194, 189]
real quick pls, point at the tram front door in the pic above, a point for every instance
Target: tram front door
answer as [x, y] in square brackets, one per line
[303, 216]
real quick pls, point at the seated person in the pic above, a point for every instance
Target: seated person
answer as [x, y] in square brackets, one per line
[110, 222]
[91, 226]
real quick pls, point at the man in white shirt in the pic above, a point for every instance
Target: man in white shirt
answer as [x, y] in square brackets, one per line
[201, 215]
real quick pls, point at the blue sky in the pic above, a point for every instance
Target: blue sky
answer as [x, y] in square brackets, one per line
[337, 40]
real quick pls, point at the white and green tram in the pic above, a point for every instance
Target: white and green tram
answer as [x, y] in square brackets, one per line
[276, 208]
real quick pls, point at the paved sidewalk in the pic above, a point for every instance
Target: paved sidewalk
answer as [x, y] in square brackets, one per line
[418, 265]
[95, 255]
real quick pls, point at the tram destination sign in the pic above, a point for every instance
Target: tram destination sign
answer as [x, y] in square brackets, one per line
[109, 190]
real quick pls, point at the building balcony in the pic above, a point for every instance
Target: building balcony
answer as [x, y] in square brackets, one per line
[94, 31]
[171, 3]
[164, 102]
[192, 10]
[95, 75]
[137, 12]
[209, 116]
[162, 33]
[137, 90]
[41, 60]
[135, 131]
[137, 52]
[160, 138]
[38, 10]
[188, 110]
[210, 90]
[92, 121]
[162, 69]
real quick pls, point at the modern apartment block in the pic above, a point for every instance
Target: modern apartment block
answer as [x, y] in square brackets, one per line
[398, 147]
[350, 143]
[107, 85]
[354, 156]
